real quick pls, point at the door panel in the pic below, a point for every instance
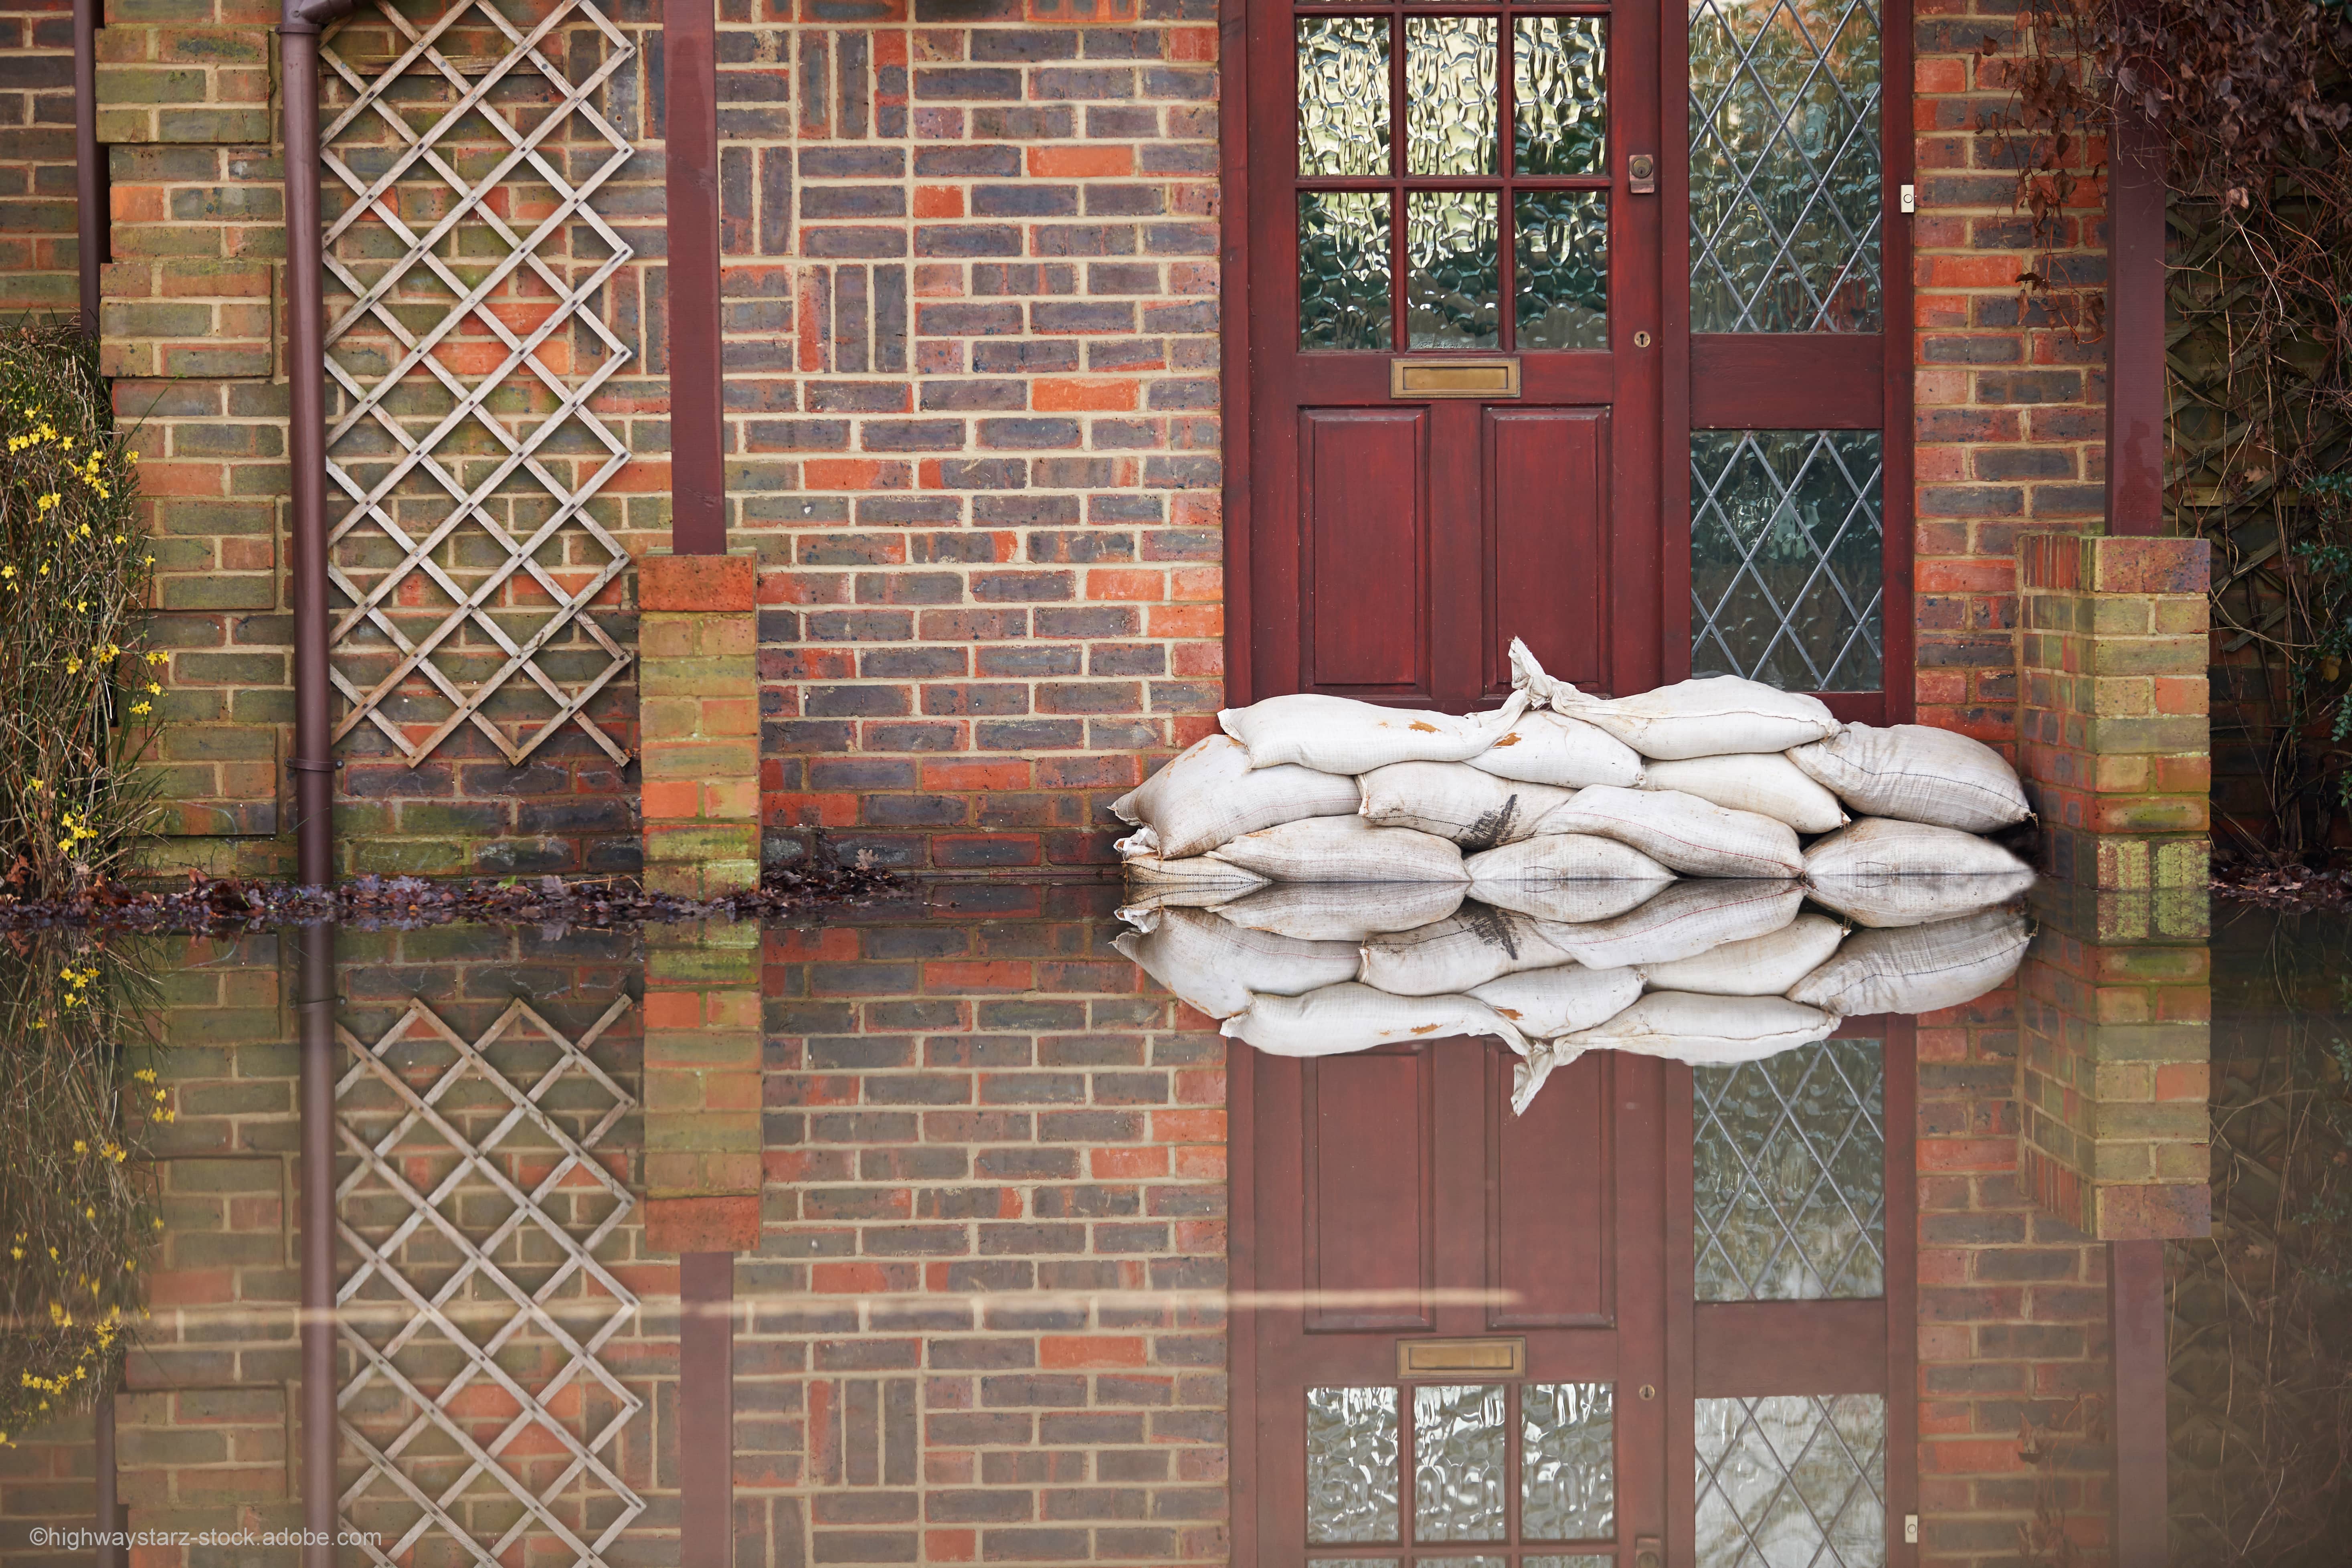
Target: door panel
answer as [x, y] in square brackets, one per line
[1548, 533]
[1552, 1227]
[1367, 593]
[1368, 1192]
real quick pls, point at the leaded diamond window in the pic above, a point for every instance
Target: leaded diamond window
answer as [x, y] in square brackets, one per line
[1785, 179]
[1789, 1156]
[1787, 541]
[1794, 1478]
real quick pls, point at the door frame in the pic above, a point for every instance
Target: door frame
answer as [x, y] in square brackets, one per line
[1892, 349]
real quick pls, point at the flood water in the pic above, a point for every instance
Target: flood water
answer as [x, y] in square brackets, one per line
[936, 1229]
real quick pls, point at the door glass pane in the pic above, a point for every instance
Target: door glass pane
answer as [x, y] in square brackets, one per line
[1562, 276]
[1453, 290]
[1567, 1480]
[1787, 557]
[1560, 102]
[1791, 1161]
[1457, 1461]
[1791, 1478]
[1343, 270]
[1785, 188]
[1449, 94]
[1351, 1464]
[1343, 96]
[1578, 1562]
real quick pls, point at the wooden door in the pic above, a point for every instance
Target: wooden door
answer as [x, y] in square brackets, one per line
[1453, 304]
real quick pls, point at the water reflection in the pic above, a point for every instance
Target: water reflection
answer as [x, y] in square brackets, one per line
[1023, 1261]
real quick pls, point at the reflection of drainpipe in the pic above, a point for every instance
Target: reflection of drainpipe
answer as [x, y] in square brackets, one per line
[314, 977]
[306, 375]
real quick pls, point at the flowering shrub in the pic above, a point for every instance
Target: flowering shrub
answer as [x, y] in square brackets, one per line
[76, 702]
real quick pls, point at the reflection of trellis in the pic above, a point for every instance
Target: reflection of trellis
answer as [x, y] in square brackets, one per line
[443, 1270]
[412, 416]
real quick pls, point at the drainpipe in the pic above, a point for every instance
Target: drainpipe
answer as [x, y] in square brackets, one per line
[89, 174]
[313, 764]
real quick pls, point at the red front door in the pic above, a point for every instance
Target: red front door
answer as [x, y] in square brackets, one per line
[1455, 347]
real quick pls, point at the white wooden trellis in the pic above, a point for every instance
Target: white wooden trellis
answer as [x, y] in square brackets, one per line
[433, 1430]
[427, 254]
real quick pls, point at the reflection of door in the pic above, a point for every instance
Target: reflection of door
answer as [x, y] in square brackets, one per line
[1455, 298]
[1647, 1324]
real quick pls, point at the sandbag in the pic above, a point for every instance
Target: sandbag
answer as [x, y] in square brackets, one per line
[1918, 775]
[1475, 810]
[1554, 857]
[1682, 832]
[1881, 847]
[1888, 903]
[1476, 945]
[1918, 968]
[1209, 793]
[1196, 881]
[1760, 966]
[1570, 903]
[1345, 850]
[1687, 919]
[1708, 1031]
[1341, 735]
[1769, 786]
[1529, 1073]
[1353, 1018]
[1548, 749]
[1213, 966]
[1714, 716]
[1343, 911]
[1549, 1003]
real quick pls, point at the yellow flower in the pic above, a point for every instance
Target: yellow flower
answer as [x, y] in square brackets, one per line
[141, 707]
[7, 571]
[73, 667]
[152, 688]
[133, 456]
[45, 568]
[48, 502]
[81, 1147]
[145, 1075]
[156, 657]
[39, 784]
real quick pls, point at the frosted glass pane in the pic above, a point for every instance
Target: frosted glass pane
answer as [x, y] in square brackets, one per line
[1351, 1464]
[1787, 557]
[1567, 1481]
[1459, 1455]
[1449, 95]
[1559, 100]
[1343, 96]
[1791, 1478]
[1578, 1562]
[1454, 290]
[1343, 271]
[1561, 239]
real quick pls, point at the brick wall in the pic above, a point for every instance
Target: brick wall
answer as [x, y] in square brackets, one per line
[38, 254]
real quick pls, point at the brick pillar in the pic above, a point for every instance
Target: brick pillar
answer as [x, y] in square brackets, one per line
[2112, 732]
[702, 1087]
[698, 720]
[2112, 1070]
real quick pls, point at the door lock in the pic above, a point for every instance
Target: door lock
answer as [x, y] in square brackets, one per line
[1642, 175]
[1647, 1552]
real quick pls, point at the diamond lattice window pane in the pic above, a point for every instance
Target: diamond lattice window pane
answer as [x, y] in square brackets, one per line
[1791, 1481]
[1787, 557]
[1785, 196]
[1790, 1156]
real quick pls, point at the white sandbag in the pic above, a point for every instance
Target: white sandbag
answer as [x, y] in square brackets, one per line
[1213, 966]
[1553, 857]
[1345, 850]
[1769, 786]
[1888, 903]
[1714, 716]
[1682, 832]
[1760, 966]
[1548, 749]
[1475, 946]
[1881, 847]
[1687, 919]
[1209, 793]
[1475, 810]
[1918, 968]
[1196, 881]
[1917, 773]
[1708, 1031]
[1353, 1018]
[1341, 735]
[1549, 1003]
[1571, 903]
[1343, 911]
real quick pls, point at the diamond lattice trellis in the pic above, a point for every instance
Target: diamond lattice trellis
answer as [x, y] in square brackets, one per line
[478, 1309]
[467, 447]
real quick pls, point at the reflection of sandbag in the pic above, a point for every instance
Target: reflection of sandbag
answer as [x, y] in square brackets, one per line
[1547, 1003]
[1917, 773]
[1687, 919]
[1345, 850]
[1769, 786]
[1919, 969]
[1209, 794]
[1553, 857]
[1760, 966]
[1888, 902]
[1473, 947]
[1196, 881]
[1353, 1018]
[1528, 1075]
[1682, 832]
[1213, 966]
[1341, 735]
[1880, 847]
[1343, 911]
[1716, 715]
[1547, 749]
[1475, 810]
[1571, 903]
[1707, 1030]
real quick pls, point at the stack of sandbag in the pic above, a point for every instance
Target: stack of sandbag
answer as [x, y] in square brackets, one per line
[1707, 972]
[1570, 808]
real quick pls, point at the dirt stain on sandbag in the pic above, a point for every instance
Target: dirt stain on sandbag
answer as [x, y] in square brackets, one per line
[1510, 740]
[1490, 829]
[1426, 1029]
[1424, 728]
[1492, 927]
